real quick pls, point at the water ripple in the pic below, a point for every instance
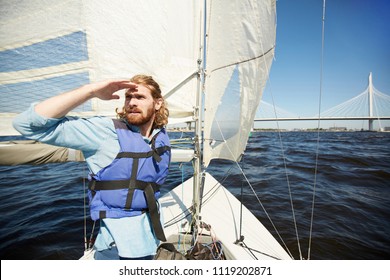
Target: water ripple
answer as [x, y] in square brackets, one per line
[42, 206]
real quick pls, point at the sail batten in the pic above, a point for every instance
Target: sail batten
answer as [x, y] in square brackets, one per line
[243, 61]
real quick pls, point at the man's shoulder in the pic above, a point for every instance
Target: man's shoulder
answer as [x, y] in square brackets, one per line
[101, 121]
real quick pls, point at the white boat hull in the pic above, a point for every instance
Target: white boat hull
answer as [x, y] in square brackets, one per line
[221, 210]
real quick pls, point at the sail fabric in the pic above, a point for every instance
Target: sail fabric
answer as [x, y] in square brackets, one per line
[33, 152]
[48, 47]
[239, 52]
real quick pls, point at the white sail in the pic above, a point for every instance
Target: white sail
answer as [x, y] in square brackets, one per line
[47, 47]
[240, 49]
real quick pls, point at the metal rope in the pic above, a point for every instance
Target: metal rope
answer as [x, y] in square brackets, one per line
[318, 132]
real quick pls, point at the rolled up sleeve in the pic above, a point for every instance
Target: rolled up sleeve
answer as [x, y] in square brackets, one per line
[85, 134]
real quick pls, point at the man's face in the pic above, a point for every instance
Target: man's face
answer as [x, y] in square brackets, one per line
[140, 106]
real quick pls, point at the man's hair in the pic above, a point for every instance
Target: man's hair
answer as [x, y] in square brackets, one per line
[161, 117]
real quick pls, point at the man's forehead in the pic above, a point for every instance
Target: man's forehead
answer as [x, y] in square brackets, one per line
[140, 90]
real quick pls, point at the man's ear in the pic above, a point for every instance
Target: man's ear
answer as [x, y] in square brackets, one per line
[158, 104]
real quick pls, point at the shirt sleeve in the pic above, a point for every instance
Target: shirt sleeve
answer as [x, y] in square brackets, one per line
[85, 134]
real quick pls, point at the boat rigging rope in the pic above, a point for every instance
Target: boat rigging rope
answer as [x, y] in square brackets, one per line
[288, 184]
[85, 214]
[286, 173]
[87, 243]
[254, 192]
[284, 164]
[318, 129]
[263, 57]
[317, 148]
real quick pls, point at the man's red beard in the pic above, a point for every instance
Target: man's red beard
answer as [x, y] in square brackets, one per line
[139, 119]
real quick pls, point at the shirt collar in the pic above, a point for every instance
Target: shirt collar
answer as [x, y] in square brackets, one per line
[137, 130]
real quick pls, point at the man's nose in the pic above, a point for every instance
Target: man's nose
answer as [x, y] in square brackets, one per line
[133, 102]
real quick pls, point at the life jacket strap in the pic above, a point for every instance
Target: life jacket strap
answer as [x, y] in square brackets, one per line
[154, 213]
[102, 214]
[149, 189]
[155, 153]
[120, 184]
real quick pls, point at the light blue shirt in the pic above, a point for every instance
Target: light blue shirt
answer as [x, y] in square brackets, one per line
[97, 139]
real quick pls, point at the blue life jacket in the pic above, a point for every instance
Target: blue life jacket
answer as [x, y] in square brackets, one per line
[130, 185]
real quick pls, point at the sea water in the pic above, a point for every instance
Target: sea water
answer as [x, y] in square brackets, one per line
[42, 207]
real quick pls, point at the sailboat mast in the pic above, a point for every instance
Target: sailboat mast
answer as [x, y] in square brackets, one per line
[198, 115]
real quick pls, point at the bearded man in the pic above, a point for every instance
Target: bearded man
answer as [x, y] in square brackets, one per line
[128, 159]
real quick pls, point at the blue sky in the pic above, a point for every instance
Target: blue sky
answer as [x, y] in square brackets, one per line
[357, 42]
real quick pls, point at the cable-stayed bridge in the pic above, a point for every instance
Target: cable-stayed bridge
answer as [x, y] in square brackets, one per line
[369, 105]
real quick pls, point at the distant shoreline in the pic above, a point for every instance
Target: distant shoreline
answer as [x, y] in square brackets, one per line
[291, 130]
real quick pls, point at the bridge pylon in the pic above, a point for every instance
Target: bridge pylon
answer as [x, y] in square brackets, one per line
[370, 103]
